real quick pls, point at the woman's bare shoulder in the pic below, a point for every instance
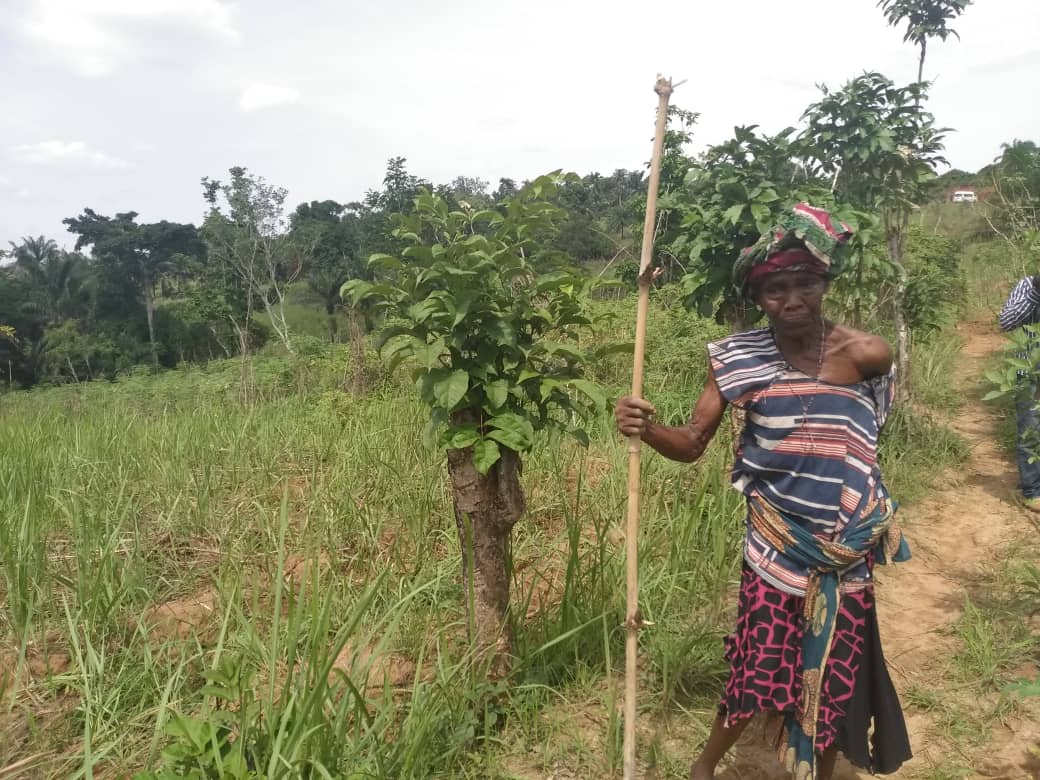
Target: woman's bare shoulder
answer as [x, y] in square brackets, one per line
[871, 354]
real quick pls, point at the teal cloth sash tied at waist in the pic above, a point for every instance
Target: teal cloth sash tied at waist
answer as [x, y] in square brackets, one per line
[825, 558]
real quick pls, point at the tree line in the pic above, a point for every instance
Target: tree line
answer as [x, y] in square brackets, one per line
[157, 294]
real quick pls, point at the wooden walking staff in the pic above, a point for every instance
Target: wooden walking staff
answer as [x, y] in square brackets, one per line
[633, 619]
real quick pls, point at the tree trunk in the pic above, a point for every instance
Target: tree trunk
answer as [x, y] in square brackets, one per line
[895, 253]
[857, 313]
[277, 318]
[486, 509]
[330, 313]
[920, 65]
[246, 386]
[149, 310]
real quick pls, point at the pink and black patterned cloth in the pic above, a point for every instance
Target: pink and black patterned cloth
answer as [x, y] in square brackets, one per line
[765, 656]
[860, 712]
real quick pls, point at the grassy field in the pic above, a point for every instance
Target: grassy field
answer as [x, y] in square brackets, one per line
[178, 568]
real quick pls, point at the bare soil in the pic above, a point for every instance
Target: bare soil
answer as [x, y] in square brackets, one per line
[181, 618]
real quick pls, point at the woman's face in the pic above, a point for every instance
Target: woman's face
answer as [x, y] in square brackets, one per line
[792, 300]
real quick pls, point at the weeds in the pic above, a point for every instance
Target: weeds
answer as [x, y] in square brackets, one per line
[274, 588]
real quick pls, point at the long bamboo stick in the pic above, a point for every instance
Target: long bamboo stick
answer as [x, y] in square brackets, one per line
[633, 619]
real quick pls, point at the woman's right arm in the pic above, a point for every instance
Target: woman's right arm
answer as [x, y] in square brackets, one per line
[684, 443]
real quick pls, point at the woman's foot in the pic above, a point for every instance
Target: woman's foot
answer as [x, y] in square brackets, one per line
[701, 772]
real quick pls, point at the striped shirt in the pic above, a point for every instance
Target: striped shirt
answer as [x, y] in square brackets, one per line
[1023, 309]
[809, 448]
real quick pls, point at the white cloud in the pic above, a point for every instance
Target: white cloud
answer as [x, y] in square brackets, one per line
[257, 96]
[56, 152]
[97, 37]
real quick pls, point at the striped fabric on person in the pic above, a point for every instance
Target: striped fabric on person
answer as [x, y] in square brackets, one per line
[809, 448]
[1022, 309]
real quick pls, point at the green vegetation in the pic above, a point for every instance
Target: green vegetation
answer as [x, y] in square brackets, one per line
[277, 583]
[230, 547]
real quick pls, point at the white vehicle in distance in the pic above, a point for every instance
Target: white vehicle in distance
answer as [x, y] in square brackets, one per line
[964, 196]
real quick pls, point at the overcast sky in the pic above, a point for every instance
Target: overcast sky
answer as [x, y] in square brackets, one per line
[124, 105]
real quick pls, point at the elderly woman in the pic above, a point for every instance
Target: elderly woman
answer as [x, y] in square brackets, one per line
[816, 394]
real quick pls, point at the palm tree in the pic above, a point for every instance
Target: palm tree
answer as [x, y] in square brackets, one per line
[924, 19]
[55, 275]
[1016, 179]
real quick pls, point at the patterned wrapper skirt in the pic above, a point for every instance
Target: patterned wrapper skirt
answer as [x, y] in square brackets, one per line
[765, 655]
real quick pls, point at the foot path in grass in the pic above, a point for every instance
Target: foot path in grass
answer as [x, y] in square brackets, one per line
[958, 535]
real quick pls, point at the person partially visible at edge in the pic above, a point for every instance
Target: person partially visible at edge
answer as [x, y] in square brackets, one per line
[1022, 309]
[816, 394]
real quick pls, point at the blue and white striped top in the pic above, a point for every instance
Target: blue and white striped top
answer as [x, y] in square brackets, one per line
[1022, 306]
[809, 448]
[1023, 309]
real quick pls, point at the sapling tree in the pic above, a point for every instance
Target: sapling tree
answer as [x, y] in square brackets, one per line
[245, 231]
[1014, 208]
[880, 147]
[924, 19]
[489, 319]
[732, 194]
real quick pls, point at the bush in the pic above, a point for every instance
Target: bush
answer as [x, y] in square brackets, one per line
[935, 287]
[582, 239]
[185, 332]
[71, 355]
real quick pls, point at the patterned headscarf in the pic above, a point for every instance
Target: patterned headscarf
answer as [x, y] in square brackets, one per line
[804, 238]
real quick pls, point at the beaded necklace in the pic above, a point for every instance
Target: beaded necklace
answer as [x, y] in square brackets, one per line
[816, 383]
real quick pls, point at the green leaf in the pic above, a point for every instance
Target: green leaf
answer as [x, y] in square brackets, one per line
[546, 387]
[760, 213]
[384, 262]
[485, 455]
[565, 350]
[527, 374]
[614, 349]
[429, 432]
[386, 334]
[591, 390]
[993, 394]
[510, 439]
[458, 437]
[396, 350]
[578, 435]
[426, 309]
[355, 290]
[512, 430]
[462, 303]
[429, 355]
[450, 389]
[733, 213]
[497, 393]
[553, 281]
[501, 332]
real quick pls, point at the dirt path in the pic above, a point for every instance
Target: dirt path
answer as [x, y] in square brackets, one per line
[957, 536]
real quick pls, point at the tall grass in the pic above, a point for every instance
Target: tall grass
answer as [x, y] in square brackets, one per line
[188, 583]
